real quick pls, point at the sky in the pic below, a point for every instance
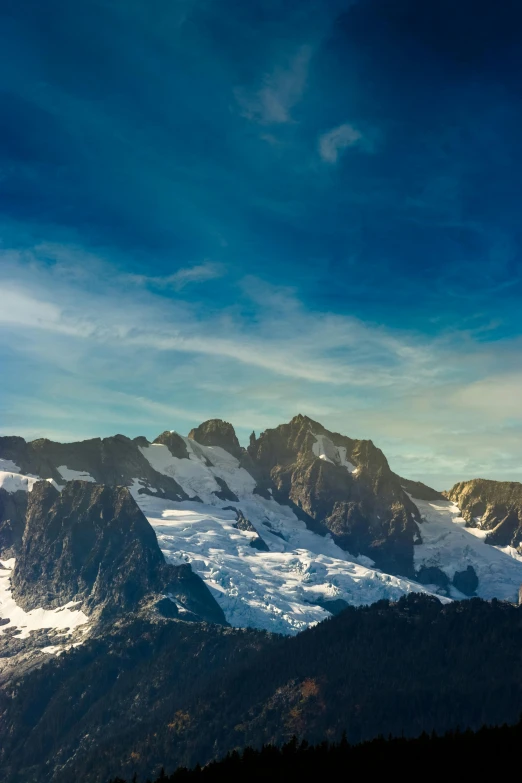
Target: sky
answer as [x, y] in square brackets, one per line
[249, 210]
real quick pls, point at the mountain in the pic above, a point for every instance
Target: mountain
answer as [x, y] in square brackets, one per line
[141, 584]
[157, 692]
[283, 533]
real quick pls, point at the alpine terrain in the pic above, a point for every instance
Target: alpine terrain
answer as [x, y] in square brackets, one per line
[141, 583]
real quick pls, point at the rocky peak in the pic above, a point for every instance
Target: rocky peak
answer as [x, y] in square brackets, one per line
[344, 484]
[174, 442]
[216, 432]
[285, 443]
[91, 543]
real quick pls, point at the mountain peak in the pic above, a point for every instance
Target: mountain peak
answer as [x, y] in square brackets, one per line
[216, 432]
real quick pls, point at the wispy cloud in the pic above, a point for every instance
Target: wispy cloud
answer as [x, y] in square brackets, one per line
[282, 89]
[106, 354]
[183, 277]
[336, 140]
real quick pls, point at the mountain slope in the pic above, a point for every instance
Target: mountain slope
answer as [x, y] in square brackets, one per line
[162, 692]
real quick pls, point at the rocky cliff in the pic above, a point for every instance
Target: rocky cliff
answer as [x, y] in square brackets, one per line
[495, 506]
[90, 543]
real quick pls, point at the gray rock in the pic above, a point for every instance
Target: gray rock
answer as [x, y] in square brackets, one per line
[432, 575]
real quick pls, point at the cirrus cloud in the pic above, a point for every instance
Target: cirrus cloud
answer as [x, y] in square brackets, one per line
[282, 89]
[336, 140]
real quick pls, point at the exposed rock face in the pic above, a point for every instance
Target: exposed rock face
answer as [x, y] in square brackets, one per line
[216, 432]
[495, 506]
[115, 461]
[92, 543]
[13, 506]
[246, 525]
[344, 484]
[224, 493]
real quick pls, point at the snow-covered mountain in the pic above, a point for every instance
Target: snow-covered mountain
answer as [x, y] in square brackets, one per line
[283, 534]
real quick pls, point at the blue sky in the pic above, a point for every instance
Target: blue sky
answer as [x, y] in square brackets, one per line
[250, 210]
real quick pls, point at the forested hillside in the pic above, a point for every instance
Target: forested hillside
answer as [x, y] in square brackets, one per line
[165, 694]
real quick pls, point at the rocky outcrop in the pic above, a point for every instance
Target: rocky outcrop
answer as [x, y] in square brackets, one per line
[224, 493]
[244, 524]
[91, 543]
[495, 506]
[343, 484]
[216, 432]
[15, 449]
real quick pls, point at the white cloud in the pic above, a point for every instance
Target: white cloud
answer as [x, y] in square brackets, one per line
[336, 140]
[178, 280]
[93, 351]
[282, 89]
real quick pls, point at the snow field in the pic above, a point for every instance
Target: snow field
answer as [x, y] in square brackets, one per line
[276, 590]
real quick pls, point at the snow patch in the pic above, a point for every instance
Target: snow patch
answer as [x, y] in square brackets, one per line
[63, 618]
[9, 466]
[13, 482]
[74, 475]
[56, 649]
[326, 450]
